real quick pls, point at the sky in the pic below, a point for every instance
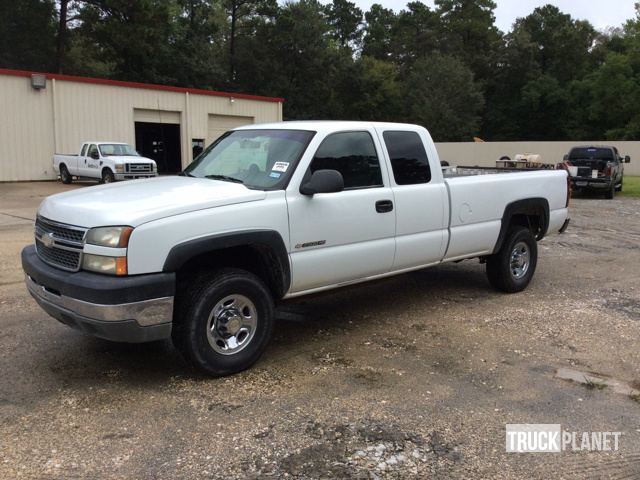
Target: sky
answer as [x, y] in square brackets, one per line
[601, 13]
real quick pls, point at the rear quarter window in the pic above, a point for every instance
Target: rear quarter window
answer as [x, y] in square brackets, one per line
[409, 160]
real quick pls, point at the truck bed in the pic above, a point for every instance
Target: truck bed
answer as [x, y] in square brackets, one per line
[465, 171]
[478, 197]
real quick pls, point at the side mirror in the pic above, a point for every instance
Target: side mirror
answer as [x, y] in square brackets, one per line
[566, 157]
[627, 159]
[323, 181]
[95, 155]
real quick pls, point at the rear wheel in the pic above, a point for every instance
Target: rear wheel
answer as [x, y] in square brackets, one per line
[65, 176]
[511, 269]
[224, 321]
[108, 176]
[611, 191]
[619, 187]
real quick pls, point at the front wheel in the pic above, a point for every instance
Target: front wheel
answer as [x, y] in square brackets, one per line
[108, 176]
[511, 269]
[224, 321]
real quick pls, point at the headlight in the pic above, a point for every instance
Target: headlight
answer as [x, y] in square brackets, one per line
[102, 264]
[115, 237]
[119, 168]
[155, 167]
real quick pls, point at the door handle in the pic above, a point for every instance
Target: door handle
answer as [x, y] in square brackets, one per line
[384, 206]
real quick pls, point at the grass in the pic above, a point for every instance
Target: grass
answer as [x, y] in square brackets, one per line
[635, 397]
[631, 186]
[592, 384]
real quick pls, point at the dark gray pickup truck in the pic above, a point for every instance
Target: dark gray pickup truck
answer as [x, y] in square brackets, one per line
[596, 168]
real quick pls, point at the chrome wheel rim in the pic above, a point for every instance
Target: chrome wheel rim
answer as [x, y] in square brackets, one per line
[232, 324]
[520, 260]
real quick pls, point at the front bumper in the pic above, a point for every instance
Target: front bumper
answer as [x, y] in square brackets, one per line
[133, 176]
[125, 309]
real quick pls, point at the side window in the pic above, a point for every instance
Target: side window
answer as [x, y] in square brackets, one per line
[408, 157]
[92, 149]
[83, 152]
[353, 154]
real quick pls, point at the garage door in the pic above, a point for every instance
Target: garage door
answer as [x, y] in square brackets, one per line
[218, 124]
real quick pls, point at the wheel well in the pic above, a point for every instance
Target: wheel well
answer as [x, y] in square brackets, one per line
[532, 213]
[105, 168]
[532, 221]
[258, 259]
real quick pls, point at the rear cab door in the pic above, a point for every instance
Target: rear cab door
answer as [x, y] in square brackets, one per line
[337, 238]
[421, 200]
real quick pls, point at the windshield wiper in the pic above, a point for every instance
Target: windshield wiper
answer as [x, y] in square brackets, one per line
[224, 178]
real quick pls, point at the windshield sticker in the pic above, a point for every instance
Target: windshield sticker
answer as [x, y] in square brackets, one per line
[280, 167]
[275, 175]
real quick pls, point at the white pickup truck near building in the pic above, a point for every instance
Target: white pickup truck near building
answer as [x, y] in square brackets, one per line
[270, 212]
[104, 161]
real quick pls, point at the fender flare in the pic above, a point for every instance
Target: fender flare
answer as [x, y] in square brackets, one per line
[537, 206]
[181, 253]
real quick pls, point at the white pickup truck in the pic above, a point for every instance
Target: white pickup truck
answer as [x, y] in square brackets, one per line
[271, 212]
[105, 161]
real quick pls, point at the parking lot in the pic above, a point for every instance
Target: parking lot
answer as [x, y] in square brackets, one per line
[414, 376]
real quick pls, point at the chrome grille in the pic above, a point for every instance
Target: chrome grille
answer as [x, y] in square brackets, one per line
[65, 259]
[60, 231]
[58, 244]
[137, 167]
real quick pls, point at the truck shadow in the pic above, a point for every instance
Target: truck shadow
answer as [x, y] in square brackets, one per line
[79, 361]
[377, 303]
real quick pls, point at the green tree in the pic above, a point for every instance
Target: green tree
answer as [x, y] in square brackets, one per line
[441, 95]
[379, 24]
[27, 34]
[345, 20]
[415, 34]
[468, 32]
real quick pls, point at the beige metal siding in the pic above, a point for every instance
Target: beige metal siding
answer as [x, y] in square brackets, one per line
[218, 124]
[83, 111]
[26, 132]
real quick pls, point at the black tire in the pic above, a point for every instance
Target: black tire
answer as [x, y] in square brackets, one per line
[500, 271]
[108, 176]
[65, 176]
[619, 187]
[611, 191]
[195, 304]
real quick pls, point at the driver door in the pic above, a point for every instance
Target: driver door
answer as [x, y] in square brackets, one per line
[341, 237]
[90, 165]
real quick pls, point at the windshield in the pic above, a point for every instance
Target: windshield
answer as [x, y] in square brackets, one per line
[107, 149]
[261, 159]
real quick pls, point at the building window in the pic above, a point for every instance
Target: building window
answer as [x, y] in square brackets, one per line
[408, 157]
[353, 154]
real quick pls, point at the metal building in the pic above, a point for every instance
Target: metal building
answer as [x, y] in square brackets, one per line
[43, 114]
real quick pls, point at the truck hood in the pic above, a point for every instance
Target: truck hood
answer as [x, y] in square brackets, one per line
[139, 201]
[128, 159]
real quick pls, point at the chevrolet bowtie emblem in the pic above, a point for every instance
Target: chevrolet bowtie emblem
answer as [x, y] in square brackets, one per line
[47, 239]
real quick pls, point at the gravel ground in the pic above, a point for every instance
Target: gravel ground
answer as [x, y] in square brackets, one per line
[411, 377]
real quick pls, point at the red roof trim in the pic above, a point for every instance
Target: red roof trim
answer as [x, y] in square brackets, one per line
[148, 86]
